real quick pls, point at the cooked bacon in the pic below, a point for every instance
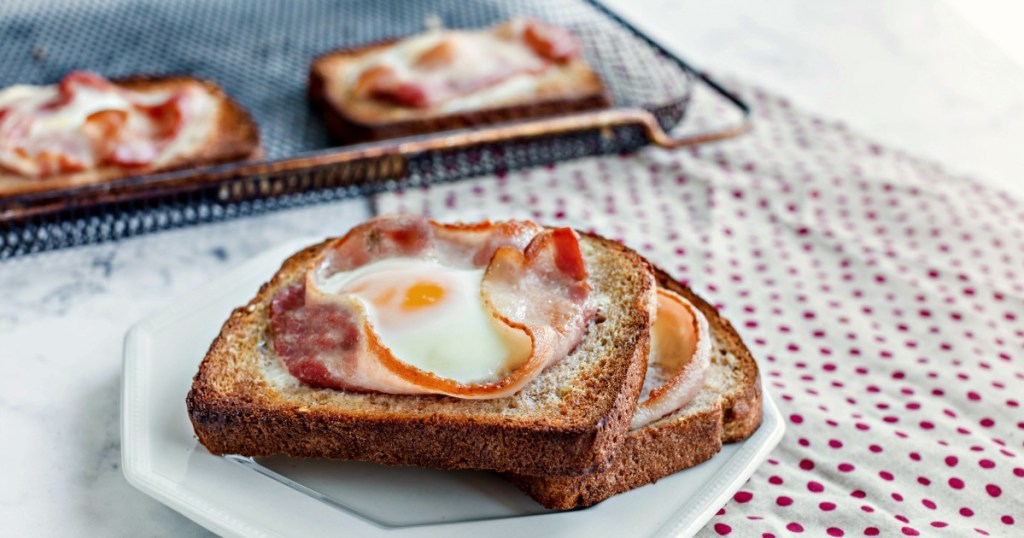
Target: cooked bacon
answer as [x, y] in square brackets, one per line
[166, 120]
[399, 236]
[408, 94]
[555, 43]
[541, 303]
[58, 162]
[679, 358]
[133, 154]
[301, 332]
[532, 291]
[374, 77]
[439, 56]
[568, 257]
[168, 117]
[104, 129]
[72, 83]
[479, 241]
[131, 136]
[462, 63]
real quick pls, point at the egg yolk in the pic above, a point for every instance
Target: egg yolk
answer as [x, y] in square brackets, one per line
[422, 294]
[433, 317]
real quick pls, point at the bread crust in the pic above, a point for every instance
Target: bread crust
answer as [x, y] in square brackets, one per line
[347, 125]
[741, 408]
[669, 445]
[235, 410]
[234, 137]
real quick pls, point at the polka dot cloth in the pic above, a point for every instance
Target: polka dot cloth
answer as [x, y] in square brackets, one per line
[883, 297]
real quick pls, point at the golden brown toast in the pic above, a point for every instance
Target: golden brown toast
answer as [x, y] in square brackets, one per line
[572, 87]
[727, 410]
[569, 420]
[233, 136]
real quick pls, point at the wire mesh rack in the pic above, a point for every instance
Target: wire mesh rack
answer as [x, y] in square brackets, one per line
[259, 51]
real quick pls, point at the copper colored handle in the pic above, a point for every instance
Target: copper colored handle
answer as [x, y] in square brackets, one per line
[658, 135]
[661, 138]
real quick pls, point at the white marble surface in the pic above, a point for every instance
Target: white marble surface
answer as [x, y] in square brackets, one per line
[911, 73]
[62, 323]
[908, 72]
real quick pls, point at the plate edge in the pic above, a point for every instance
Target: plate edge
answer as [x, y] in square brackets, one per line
[748, 460]
[135, 464]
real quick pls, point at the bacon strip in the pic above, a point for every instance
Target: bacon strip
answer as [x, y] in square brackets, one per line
[679, 358]
[463, 63]
[555, 43]
[133, 134]
[535, 285]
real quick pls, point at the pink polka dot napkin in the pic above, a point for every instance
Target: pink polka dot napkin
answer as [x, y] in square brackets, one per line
[883, 297]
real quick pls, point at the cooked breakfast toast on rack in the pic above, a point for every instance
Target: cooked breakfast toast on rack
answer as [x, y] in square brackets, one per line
[450, 79]
[87, 129]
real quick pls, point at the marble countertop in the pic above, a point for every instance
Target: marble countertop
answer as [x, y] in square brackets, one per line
[909, 72]
[912, 74]
[62, 449]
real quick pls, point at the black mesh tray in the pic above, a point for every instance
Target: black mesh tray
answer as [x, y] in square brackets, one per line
[259, 51]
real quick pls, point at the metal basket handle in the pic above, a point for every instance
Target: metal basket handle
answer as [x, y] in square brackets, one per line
[605, 120]
[652, 128]
[658, 136]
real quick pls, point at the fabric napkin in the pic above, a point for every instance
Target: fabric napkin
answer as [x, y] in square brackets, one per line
[882, 295]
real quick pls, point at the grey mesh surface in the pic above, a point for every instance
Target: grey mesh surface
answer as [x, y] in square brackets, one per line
[259, 51]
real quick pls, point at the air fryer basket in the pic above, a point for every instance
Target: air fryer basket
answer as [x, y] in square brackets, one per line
[259, 51]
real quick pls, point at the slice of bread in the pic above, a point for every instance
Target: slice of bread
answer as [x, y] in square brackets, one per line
[231, 135]
[727, 410]
[568, 421]
[572, 87]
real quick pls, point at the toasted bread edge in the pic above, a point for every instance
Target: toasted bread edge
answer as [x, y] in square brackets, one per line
[235, 137]
[665, 447]
[243, 416]
[346, 129]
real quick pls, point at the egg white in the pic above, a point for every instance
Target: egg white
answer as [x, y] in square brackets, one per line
[48, 125]
[484, 46]
[454, 338]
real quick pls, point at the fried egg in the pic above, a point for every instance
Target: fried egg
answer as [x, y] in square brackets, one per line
[433, 317]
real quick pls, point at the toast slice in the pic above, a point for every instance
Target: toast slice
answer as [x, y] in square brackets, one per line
[727, 410]
[569, 420]
[572, 87]
[232, 135]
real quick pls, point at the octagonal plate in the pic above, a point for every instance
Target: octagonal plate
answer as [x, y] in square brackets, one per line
[235, 496]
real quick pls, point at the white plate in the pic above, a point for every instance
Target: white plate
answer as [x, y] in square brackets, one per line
[285, 497]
